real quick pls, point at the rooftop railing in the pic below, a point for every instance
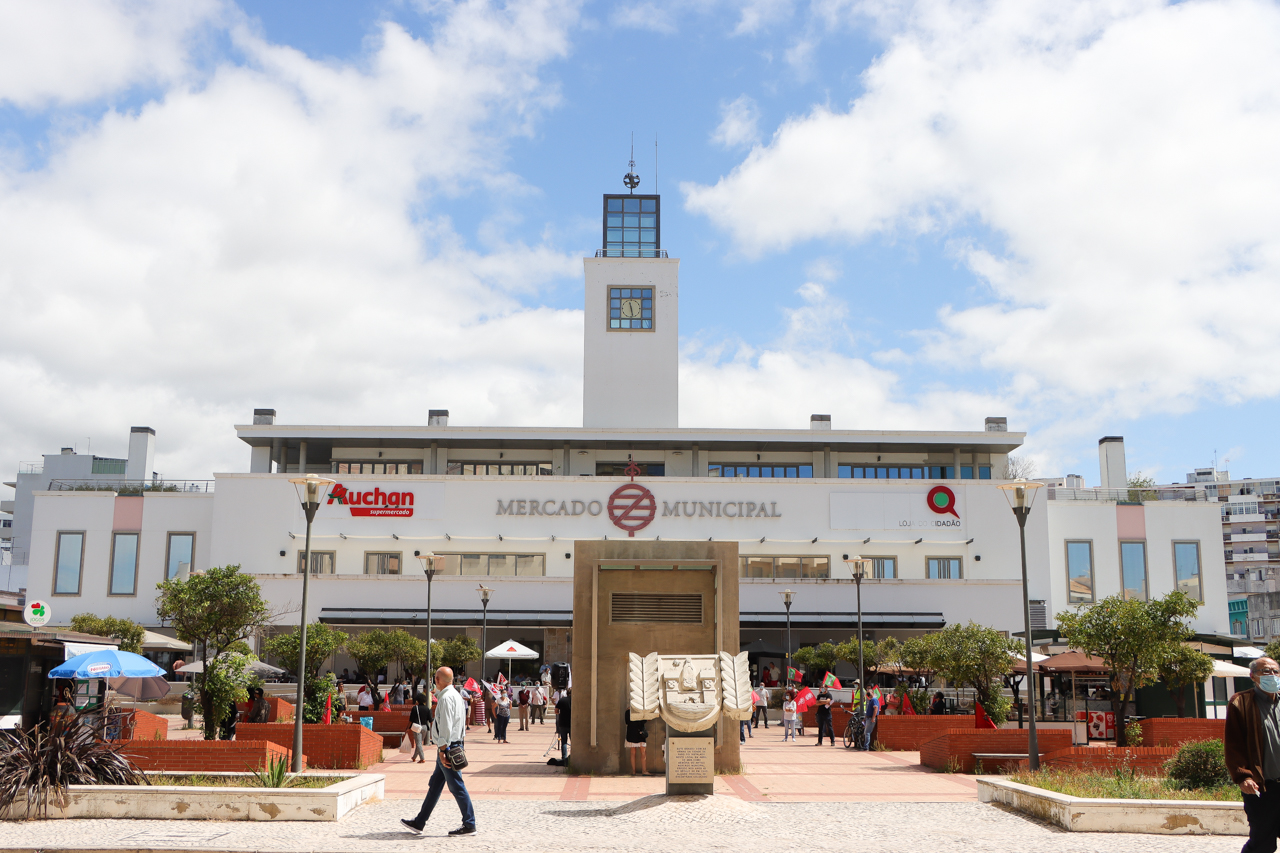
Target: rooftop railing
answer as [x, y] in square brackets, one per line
[631, 253]
[1127, 495]
[132, 487]
[30, 467]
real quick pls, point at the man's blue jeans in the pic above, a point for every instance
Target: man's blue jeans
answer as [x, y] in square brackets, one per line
[871, 730]
[446, 776]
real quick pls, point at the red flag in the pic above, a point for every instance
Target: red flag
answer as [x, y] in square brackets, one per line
[980, 718]
[502, 679]
[907, 706]
[472, 686]
[755, 697]
[830, 680]
[328, 710]
[794, 674]
[805, 700]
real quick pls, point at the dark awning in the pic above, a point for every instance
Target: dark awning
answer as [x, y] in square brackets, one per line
[447, 617]
[801, 620]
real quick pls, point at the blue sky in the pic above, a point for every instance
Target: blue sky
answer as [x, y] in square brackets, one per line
[907, 214]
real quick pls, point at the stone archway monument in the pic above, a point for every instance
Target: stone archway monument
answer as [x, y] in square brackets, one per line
[655, 628]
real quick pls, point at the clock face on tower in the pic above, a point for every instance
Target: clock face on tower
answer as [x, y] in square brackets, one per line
[630, 309]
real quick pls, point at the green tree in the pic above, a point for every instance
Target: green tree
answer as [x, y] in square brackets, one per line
[408, 651]
[1181, 667]
[372, 651]
[1141, 488]
[818, 659]
[322, 641]
[215, 610]
[916, 655]
[1132, 636]
[1272, 649]
[455, 652]
[889, 655]
[979, 657]
[126, 632]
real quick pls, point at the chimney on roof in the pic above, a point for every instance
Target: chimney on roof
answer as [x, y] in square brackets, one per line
[819, 421]
[264, 416]
[1111, 465]
[142, 453]
[437, 417]
[997, 425]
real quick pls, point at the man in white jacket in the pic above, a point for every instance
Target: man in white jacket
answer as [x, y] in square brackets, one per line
[448, 727]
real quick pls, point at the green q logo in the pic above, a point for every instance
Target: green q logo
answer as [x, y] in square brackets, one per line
[943, 501]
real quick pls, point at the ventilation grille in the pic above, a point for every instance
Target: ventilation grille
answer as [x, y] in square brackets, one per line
[682, 607]
[1039, 616]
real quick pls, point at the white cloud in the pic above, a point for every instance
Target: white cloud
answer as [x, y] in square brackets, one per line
[75, 50]
[1123, 153]
[754, 15]
[739, 123]
[644, 16]
[275, 237]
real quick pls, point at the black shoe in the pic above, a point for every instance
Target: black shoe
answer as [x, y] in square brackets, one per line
[463, 830]
[411, 826]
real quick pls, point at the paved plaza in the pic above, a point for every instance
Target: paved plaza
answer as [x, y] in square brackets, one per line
[794, 796]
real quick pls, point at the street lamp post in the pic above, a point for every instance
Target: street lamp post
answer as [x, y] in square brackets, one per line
[787, 596]
[310, 489]
[859, 567]
[1021, 494]
[429, 569]
[485, 592]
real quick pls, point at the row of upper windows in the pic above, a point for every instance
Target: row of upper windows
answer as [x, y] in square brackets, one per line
[392, 563]
[910, 472]
[1134, 579]
[936, 568]
[632, 205]
[122, 575]
[715, 469]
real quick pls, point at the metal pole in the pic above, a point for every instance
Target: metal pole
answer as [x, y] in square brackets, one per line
[1033, 746]
[484, 637]
[857, 580]
[431, 676]
[786, 676]
[310, 510]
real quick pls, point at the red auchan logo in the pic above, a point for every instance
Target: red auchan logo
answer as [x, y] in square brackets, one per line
[374, 503]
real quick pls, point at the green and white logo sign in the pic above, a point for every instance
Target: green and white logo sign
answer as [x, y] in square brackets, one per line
[37, 613]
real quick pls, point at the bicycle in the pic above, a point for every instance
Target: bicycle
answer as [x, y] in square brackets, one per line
[855, 731]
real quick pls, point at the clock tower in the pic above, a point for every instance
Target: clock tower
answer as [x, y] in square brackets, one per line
[631, 346]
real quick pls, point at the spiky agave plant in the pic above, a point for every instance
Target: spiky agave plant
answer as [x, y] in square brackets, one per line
[38, 765]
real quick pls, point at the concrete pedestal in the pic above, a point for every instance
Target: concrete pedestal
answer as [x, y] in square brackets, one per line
[691, 761]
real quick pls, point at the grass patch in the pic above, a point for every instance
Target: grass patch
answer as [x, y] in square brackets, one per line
[246, 781]
[1120, 785]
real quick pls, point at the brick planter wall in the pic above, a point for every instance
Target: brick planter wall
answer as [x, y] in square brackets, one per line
[146, 726]
[347, 746]
[1174, 731]
[907, 732]
[961, 744]
[281, 710]
[1143, 759]
[224, 756]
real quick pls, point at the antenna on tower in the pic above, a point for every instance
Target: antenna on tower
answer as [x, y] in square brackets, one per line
[631, 180]
[655, 164]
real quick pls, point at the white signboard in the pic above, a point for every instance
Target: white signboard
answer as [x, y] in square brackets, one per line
[940, 508]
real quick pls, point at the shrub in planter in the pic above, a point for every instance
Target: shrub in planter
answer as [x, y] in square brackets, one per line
[38, 764]
[1199, 764]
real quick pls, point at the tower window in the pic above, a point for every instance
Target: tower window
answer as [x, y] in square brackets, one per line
[630, 308]
[632, 227]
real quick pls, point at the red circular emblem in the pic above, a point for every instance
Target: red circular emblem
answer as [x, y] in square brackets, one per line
[632, 507]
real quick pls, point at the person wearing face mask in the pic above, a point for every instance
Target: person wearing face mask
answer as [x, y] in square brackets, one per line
[1252, 745]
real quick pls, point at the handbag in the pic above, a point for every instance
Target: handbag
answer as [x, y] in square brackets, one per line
[456, 756]
[406, 744]
[415, 727]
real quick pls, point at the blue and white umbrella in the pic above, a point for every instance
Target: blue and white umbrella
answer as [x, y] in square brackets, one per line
[107, 663]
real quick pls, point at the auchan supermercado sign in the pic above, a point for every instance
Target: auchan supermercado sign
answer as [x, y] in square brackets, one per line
[372, 503]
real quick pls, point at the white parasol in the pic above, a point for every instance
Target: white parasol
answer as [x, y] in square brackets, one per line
[511, 650]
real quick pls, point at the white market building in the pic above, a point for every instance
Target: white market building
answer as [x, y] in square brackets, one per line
[506, 505]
